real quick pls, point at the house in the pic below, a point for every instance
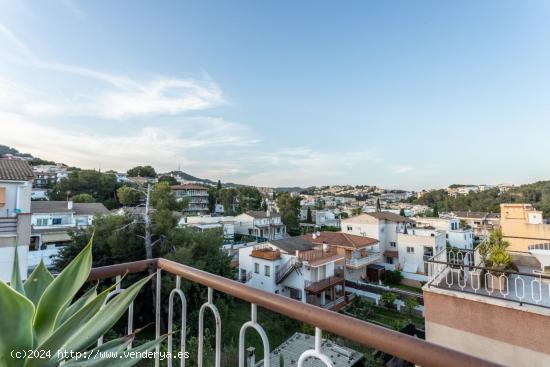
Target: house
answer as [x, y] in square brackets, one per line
[15, 215]
[262, 225]
[45, 175]
[462, 238]
[203, 222]
[522, 225]
[197, 196]
[39, 194]
[482, 223]
[296, 268]
[403, 247]
[358, 251]
[321, 217]
[51, 223]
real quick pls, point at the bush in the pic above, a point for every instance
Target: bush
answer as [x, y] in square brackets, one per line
[393, 277]
[388, 300]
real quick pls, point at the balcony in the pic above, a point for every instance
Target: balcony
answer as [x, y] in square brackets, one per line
[319, 257]
[323, 284]
[266, 253]
[388, 341]
[8, 225]
[457, 272]
[360, 262]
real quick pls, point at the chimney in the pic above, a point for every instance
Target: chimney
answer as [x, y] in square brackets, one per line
[70, 205]
[251, 357]
[325, 247]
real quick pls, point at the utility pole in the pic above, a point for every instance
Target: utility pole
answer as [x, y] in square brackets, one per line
[147, 219]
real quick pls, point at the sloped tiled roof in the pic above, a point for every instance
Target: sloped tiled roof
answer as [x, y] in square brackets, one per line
[292, 244]
[340, 239]
[189, 187]
[258, 214]
[15, 170]
[391, 217]
[44, 207]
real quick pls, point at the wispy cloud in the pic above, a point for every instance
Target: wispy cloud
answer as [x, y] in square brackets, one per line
[120, 96]
[401, 168]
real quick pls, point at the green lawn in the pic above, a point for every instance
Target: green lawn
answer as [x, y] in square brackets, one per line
[390, 318]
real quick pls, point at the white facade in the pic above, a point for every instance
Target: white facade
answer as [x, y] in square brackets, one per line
[456, 236]
[262, 273]
[416, 246]
[262, 225]
[207, 222]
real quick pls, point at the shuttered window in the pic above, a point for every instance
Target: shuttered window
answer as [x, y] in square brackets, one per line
[2, 196]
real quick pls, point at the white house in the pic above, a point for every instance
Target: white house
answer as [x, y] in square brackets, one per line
[15, 219]
[294, 267]
[51, 223]
[458, 237]
[403, 246]
[208, 222]
[262, 225]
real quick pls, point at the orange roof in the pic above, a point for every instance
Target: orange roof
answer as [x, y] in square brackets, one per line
[340, 239]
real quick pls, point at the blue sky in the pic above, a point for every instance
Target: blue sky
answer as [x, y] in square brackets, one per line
[399, 94]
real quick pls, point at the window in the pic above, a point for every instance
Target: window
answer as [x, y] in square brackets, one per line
[42, 222]
[350, 228]
[267, 270]
[56, 221]
[256, 268]
[393, 244]
[2, 196]
[389, 260]
[410, 250]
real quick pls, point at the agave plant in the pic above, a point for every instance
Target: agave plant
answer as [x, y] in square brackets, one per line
[41, 319]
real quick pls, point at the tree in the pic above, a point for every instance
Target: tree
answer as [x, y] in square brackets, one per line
[163, 197]
[83, 198]
[410, 305]
[289, 209]
[101, 186]
[388, 300]
[142, 171]
[169, 179]
[219, 186]
[402, 212]
[435, 211]
[309, 218]
[393, 278]
[129, 196]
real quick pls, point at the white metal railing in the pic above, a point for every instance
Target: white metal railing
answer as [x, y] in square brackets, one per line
[365, 260]
[539, 246]
[462, 271]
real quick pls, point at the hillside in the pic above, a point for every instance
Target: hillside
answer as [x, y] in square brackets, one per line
[537, 194]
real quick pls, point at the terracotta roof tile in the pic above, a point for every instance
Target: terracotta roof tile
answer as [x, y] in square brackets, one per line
[15, 170]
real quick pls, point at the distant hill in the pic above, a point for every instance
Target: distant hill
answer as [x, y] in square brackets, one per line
[4, 149]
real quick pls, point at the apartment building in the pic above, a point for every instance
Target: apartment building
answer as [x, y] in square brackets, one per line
[51, 223]
[522, 226]
[294, 267]
[462, 238]
[45, 175]
[502, 317]
[15, 215]
[321, 217]
[482, 223]
[197, 196]
[402, 246]
[262, 225]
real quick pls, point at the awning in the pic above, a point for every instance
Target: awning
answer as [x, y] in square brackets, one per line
[410, 267]
[55, 237]
[391, 253]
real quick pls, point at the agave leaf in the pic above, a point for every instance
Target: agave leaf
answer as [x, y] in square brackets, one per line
[60, 292]
[106, 318]
[37, 282]
[78, 304]
[15, 325]
[58, 339]
[16, 282]
[115, 345]
[127, 358]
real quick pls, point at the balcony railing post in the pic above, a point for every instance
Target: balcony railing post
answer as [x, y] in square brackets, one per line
[253, 323]
[183, 331]
[209, 304]
[157, 316]
[317, 352]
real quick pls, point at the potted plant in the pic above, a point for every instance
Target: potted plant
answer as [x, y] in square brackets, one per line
[497, 258]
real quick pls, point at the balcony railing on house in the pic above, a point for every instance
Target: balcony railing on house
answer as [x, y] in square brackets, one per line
[323, 284]
[265, 252]
[318, 255]
[8, 225]
[359, 262]
[463, 271]
[397, 344]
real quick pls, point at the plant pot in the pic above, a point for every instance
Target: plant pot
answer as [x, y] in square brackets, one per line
[497, 282]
